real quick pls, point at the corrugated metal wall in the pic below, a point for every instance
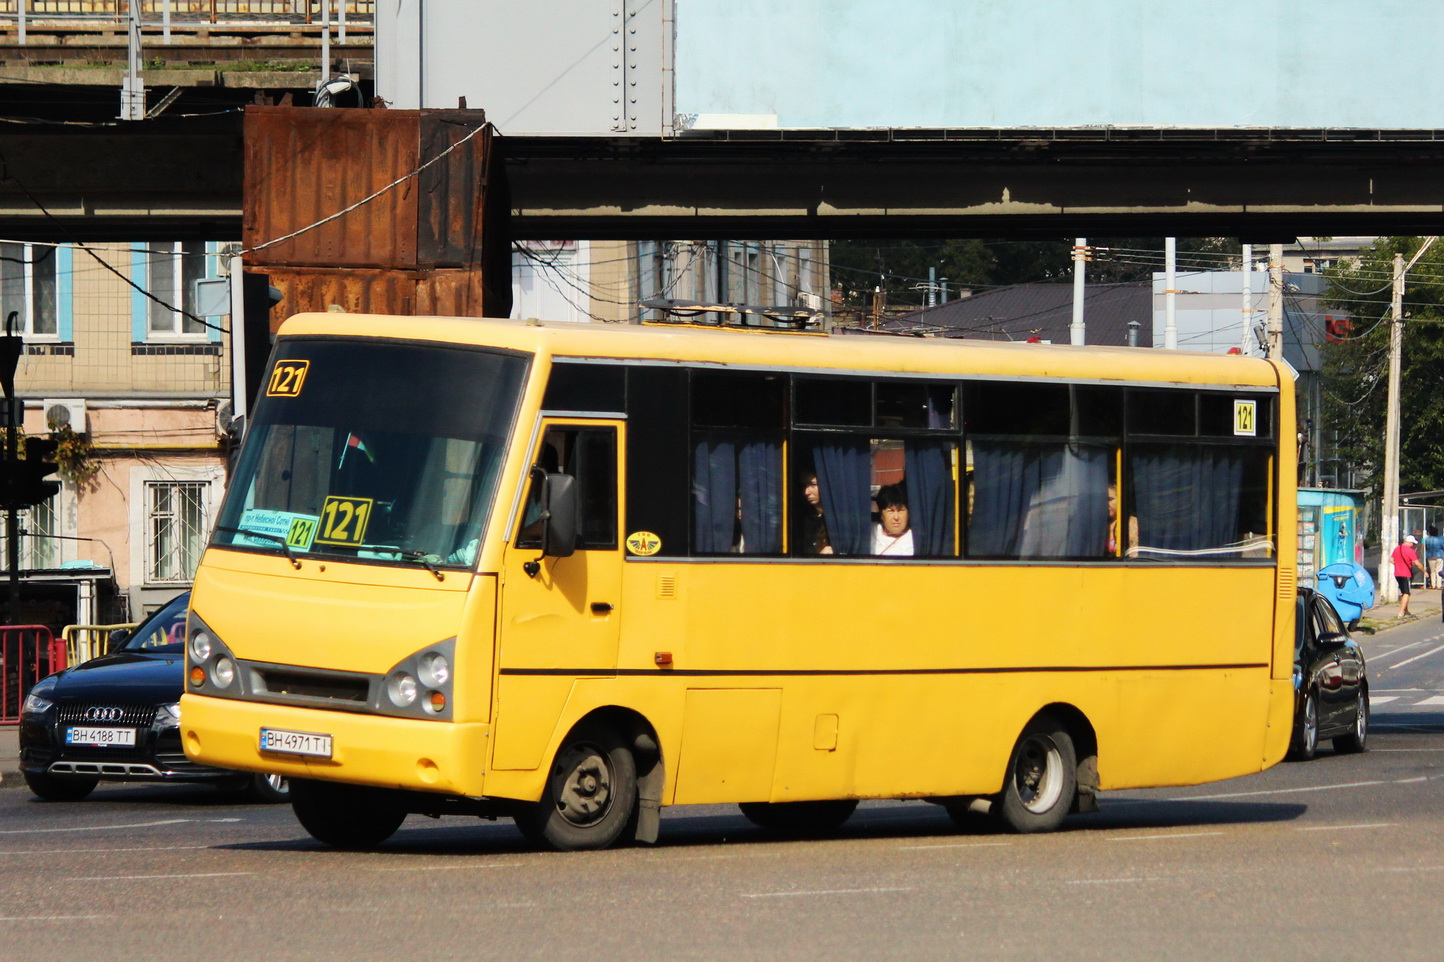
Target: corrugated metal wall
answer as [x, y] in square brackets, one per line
[427, 243]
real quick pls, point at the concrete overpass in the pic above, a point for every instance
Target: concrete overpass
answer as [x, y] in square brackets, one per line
[176, 177]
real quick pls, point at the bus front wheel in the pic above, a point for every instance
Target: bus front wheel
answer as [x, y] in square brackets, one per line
[1042, 778]
[590, 795]
[346, 816]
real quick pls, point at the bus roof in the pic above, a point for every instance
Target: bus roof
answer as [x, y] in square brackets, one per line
[754, 349]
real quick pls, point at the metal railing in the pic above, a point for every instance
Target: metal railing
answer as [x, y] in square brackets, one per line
[193, 11]
[27, 654]
[84, 642]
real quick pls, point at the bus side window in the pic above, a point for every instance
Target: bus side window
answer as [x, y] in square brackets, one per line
[588, 454]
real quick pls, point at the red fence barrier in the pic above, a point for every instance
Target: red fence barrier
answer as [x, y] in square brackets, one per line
[27, 654]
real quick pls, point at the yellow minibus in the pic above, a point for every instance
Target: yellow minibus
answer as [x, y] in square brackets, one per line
[571, 573]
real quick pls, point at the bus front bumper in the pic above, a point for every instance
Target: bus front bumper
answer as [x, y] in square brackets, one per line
[426, 756]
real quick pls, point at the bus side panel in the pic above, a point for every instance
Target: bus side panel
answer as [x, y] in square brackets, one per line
[928, 673]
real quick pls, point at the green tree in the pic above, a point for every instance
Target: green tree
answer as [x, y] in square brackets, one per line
[901, 266]
[1356, 366]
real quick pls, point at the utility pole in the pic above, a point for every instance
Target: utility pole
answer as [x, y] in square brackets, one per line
[1080, 257]
[1170, 293]
[1276, 303]
[1389, 513]
[1245, 342]
[132, 91]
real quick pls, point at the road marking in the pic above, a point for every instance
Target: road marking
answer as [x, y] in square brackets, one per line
[107, 851]
[1382, 699]
[1436, 700]
[1116, 881]
[709, 858]
[1406, 749]
[141, 878]
[95, 828]
[1292, 791]
[1345, 828]
[1146, 838]
[50, 918]
[1406, 661]
[918, 848]
[447, 868]
[778, 895]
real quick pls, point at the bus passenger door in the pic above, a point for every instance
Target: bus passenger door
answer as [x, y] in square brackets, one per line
[561, 623]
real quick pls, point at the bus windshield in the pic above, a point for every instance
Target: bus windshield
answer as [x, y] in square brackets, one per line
[380, 452]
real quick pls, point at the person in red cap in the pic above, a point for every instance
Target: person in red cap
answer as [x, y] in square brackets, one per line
[1405, 559]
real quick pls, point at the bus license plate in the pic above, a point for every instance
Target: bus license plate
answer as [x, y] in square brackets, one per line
[295, 743]
[101, 737]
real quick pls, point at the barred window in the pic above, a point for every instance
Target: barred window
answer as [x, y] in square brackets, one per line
[38, 548]
[176, 524]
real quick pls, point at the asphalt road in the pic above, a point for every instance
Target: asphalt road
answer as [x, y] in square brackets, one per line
[1341, 856]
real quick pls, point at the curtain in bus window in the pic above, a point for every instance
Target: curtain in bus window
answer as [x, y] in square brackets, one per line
[736, 491]
[1187, 497]
[930, 497]
[844, 481]
[760, 488]
[1039, 500]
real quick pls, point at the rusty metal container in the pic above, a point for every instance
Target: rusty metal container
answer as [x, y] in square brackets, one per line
[384, 211]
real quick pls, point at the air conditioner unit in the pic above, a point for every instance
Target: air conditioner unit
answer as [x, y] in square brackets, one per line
[65, 413]
[811, 301]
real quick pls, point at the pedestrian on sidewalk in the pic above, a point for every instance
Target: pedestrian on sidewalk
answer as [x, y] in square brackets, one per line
[1405, 559]
[1434, 557]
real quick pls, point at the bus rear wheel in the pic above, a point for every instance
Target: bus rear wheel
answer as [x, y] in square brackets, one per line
[590, 796]
[346, 816]
[800, 818]
[1042, 778]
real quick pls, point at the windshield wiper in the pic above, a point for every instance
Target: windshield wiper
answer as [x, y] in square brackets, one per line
[423, 559]
[265, 537]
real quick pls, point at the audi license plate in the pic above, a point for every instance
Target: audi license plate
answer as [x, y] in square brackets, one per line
[295, 743]
[101, 737]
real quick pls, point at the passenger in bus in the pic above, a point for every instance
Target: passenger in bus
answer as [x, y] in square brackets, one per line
[892, 535]
[1113, 523]
[814, 526]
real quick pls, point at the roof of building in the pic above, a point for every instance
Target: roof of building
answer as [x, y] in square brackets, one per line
[1042, 311]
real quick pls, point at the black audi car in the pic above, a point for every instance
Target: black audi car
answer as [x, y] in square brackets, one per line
[1331, 685]
[117, 718]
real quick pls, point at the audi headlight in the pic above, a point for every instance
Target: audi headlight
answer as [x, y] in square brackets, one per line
[34, 704]
[168, 716]
[434, 670]
[401, 689]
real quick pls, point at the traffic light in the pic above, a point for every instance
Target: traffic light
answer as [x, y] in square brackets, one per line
[22, 481]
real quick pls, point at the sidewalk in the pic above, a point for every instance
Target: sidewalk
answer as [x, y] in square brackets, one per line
[1425, 605]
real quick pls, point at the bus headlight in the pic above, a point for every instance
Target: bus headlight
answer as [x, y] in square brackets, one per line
[224, 672]
[401, 689]
[200, 647]
[434, 670]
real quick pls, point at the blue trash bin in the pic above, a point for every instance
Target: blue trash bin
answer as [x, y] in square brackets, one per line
[1349, 589]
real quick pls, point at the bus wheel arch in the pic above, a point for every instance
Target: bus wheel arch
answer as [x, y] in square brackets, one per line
[1053, 765]
[603, 783]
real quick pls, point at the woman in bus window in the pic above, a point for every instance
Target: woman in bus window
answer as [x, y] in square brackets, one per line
[814, 526]
[892, 535]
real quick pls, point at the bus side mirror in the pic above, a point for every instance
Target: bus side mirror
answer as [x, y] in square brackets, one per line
[559, 509]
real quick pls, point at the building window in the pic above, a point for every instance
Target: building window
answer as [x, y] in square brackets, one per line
[28, 287]
[175, 527]
[38, 546]
[171, 274]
